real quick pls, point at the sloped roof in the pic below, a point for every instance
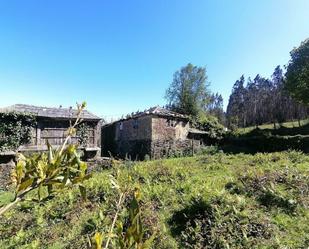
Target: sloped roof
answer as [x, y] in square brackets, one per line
[50, 112]
[157, 111]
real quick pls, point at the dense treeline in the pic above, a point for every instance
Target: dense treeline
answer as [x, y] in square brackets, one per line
[262, 100]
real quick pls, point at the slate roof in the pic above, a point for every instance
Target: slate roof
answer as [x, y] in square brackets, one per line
[157, 111]
[162, 112]
[50, 112]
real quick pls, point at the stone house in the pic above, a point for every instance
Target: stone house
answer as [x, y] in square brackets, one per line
[52, 123]
[156, 132]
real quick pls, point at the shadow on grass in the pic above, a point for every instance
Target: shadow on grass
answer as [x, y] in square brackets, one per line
[193, 223]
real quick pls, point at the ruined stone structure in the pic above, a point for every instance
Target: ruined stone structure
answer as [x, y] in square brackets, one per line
[52, 123]
[156, 132]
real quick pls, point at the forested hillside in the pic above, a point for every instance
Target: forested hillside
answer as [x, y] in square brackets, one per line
[283, 97]
[260, 100]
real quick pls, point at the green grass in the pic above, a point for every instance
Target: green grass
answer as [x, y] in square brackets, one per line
[208, 201]
[291, 124]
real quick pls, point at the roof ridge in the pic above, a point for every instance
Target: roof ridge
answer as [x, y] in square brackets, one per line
[40, 106]
[48, 111]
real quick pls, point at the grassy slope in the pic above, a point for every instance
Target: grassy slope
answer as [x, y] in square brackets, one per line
[292, 124]
[240, 201]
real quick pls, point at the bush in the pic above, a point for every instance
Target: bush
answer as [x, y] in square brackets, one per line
[210, 124]
[15, 130]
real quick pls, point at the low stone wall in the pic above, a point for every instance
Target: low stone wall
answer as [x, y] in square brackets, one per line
[170, 148]
[5, 174]
[133, 149]
[159, 148]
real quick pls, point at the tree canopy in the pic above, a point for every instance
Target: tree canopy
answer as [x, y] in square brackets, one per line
[262, 100]
[297, 75]
[188, 92]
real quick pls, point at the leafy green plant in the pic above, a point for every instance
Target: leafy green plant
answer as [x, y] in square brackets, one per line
[52, 171]
[210, 124]
[82, 133]
[131, 232]
[15, 130]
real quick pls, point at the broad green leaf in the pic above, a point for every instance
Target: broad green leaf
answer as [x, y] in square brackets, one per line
[25, 184]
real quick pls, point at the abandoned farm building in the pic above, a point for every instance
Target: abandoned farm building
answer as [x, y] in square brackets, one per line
[52, 123]
[157, 132]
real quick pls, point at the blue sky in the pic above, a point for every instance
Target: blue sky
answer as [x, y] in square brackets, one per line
[120, 56]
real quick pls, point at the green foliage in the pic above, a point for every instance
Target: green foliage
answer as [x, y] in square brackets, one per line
[15, 130]
[268, 140]
[287, 128]
[129, 232]
[188, 92]
[49, 171]
[218, 199]
[132, 233]
[82, 133]
[218, 223]
[297, 75]
[52, 170]
[210, 124]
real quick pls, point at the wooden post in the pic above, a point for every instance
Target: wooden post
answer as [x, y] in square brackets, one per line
[38, 135]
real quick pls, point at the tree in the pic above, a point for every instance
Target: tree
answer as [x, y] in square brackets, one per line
[188, 92]
[279, 99]
[262, 101]
[297, 75]
[235, 109]
[215, 107]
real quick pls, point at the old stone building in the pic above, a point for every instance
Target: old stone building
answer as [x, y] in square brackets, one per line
[156, 132]
[52, 124]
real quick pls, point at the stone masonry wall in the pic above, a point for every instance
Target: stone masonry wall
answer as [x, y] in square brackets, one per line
[169, 128]
[134, 129]
[170, 148]
[133, 138]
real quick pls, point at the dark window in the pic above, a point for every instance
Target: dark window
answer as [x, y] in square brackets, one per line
[171, 123]
[135, 123]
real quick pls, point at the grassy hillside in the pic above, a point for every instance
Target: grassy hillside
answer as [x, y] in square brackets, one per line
[291, 125]
[210, 201]
[267, 139]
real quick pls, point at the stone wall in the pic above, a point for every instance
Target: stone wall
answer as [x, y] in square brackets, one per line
[6, 166]
[169, 128]
[169, 148]
[134, 129]
[134, 149]
[127, 138]
[150, 135]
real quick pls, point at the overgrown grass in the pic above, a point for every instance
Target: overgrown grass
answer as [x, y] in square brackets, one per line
[208, 201]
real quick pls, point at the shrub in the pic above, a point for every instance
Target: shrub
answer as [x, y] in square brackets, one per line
[82, 133]
[15, 130]
[210, 124]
